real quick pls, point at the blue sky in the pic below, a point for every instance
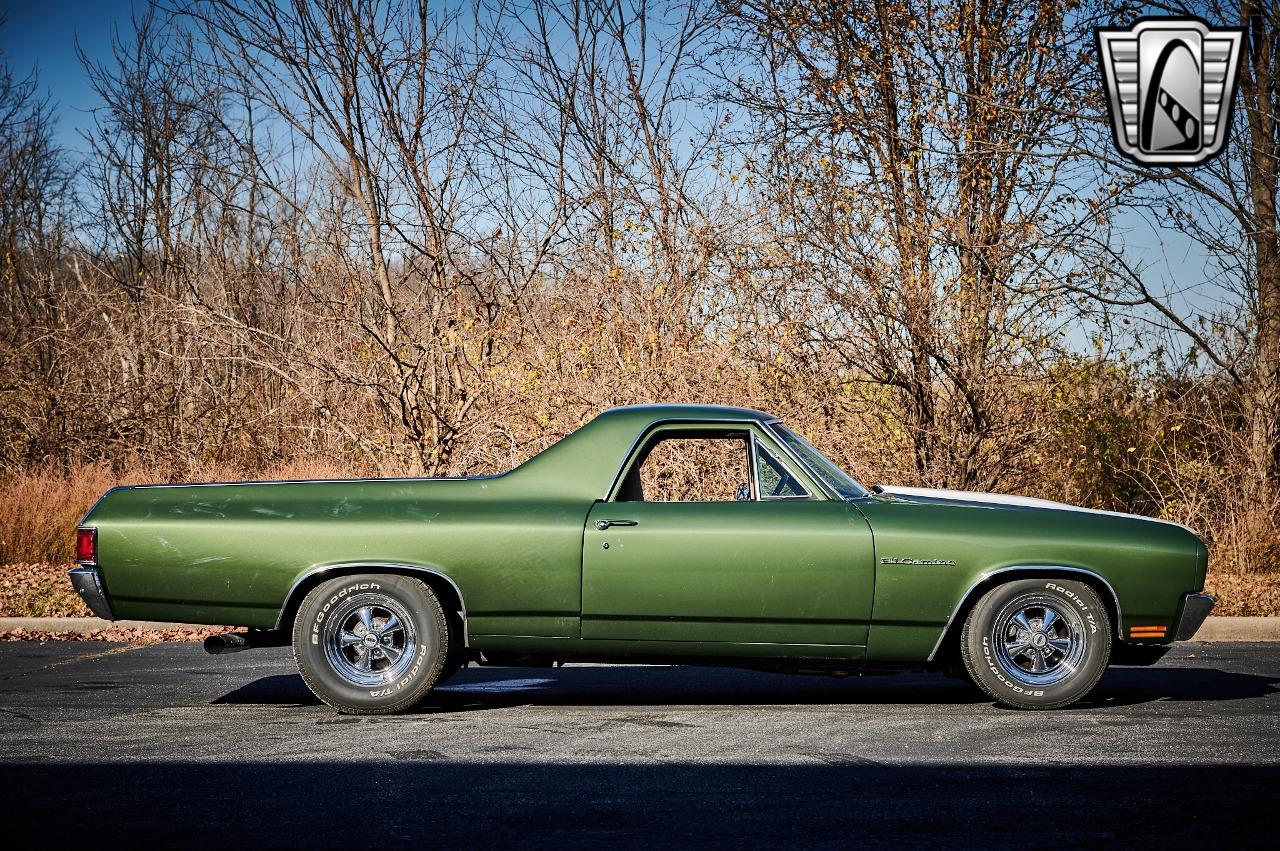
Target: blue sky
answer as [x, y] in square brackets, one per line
[42, 35]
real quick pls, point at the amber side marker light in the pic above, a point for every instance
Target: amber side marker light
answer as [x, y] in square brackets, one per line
[1148, 631]
[87, 546]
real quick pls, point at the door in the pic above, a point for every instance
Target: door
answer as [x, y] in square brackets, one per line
[717, 561]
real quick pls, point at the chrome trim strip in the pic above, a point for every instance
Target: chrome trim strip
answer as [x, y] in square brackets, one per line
[358, 480]
[1026, 568]
[89, 586]
[98, 502]
[627, 456]
[754, 464]
[362, 565]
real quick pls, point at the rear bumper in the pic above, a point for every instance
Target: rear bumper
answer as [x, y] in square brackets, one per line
[1195, 608]
[89, 586]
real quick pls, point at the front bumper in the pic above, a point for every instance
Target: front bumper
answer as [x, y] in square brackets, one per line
[1195, 608]
[89, 586]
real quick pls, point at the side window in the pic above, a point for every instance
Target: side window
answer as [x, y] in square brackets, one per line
[694, 469]
[775, 481]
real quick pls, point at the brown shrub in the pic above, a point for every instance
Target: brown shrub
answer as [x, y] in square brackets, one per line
[39, 510]
[1244, 594]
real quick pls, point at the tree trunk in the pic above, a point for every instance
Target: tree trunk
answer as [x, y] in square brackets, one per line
[1262, 392]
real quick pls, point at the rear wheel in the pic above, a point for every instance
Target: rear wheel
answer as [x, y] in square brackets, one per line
[371, 644]
[1037, 643]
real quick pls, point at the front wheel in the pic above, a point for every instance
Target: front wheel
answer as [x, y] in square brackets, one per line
[371, 644]
[1037, 643]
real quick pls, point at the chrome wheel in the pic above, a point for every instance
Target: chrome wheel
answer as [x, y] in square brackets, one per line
[1039, 641]
[370, 640]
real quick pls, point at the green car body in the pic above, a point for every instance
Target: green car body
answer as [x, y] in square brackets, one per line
[861, 580]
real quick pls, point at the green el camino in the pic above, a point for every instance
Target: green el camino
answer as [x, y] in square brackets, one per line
[656, 533]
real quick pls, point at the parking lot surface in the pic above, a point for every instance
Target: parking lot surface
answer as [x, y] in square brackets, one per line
[165, 745]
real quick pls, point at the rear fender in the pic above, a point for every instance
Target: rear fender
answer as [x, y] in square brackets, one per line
[440, 582]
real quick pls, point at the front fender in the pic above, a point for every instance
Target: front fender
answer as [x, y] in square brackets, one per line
[932, 559]
[991, 579]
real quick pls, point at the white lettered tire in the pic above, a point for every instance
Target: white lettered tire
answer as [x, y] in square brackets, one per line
[1037, 643]
[371, 644]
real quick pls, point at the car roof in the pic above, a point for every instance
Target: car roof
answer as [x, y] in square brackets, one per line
[654, 413]
[584, 463]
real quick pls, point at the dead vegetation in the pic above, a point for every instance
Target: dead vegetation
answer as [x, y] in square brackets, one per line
[372, 238]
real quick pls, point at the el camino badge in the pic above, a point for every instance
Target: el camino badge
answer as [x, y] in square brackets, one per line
[941, 562]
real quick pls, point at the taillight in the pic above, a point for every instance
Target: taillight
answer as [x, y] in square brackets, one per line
[87, 546]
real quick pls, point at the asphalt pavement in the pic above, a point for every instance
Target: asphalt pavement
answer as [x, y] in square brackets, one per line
[167, 746]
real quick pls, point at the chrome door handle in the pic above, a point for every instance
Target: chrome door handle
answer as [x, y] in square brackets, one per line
[605, 524]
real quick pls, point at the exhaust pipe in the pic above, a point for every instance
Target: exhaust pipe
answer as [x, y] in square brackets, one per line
[234, 642]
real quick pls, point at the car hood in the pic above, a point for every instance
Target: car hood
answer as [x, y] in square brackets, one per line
[997, 500]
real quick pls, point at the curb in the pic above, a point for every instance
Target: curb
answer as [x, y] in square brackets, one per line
[89, 625]
[1239, 629]
[1213, 629]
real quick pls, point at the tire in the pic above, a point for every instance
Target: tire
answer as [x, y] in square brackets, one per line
[449, 670]
[1022, 657]
[347, 634]
[956, 670]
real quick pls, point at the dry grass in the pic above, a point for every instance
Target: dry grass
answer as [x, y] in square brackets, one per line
[211, 330]
[40, 507]
[39, 510]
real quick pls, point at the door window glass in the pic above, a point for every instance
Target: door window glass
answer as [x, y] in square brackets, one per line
[713, 469]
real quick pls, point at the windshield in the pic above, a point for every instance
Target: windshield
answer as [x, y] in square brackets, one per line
[818, 464]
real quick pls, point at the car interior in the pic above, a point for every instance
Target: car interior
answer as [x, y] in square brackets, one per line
[705, 466]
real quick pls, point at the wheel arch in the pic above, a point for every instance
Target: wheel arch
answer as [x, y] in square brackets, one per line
[990, 579]
[439, 582]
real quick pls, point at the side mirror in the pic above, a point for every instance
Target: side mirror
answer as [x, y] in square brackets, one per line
[744, 492]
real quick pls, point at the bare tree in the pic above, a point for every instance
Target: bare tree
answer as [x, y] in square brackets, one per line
[390, 100]
[610, 84]
[920, 158]
[316, 236]
[35, 417]
[1229, 208]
